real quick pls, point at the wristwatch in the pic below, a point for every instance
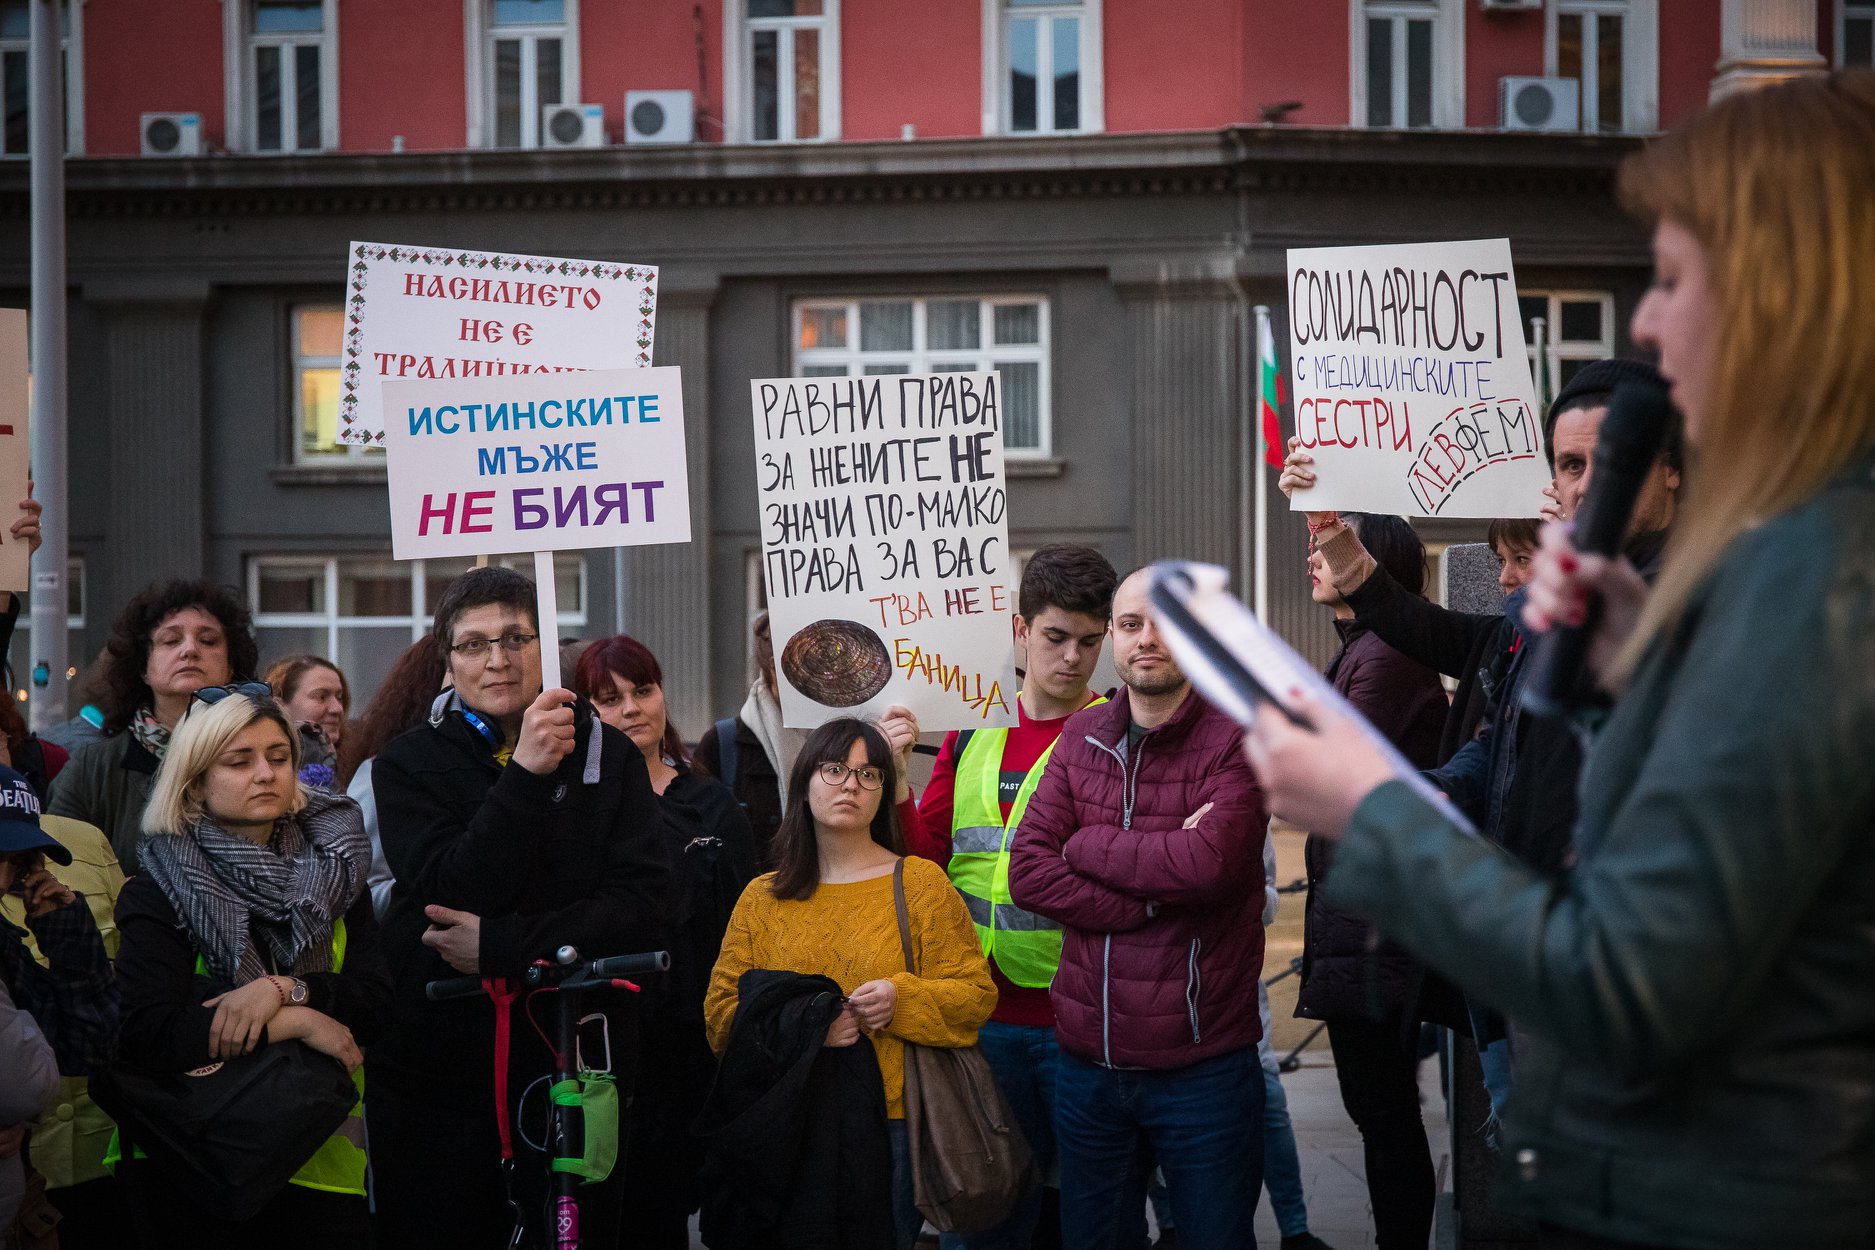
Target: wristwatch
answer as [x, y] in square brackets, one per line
[298, 997]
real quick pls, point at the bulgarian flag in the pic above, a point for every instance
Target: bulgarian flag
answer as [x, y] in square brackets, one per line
[1270, 397]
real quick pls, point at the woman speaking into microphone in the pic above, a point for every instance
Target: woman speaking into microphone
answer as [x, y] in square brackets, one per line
[1700, 984]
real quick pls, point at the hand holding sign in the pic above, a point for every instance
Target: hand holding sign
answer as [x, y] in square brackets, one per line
[548, 733]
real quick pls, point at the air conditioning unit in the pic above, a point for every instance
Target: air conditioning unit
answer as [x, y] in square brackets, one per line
[172, 134]
[1511, 6]
[660, 117]
[1539, 103]
[572, 126]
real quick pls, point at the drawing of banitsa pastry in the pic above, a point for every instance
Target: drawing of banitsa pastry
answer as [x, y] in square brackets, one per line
[837, 663]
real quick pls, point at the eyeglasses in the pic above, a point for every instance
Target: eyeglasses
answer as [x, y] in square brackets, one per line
[477, 648]
[835, 773]
[212, 695]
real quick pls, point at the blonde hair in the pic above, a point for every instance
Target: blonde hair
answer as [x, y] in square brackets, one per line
[205, 731]
[1778, 186]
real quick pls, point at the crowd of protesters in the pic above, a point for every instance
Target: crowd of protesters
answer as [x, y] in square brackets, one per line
[1659, 944]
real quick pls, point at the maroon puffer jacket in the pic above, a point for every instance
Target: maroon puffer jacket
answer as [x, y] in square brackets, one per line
[1163, 934]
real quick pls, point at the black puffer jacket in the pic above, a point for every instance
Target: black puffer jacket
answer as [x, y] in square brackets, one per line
[795, 1131]
[1348, 973]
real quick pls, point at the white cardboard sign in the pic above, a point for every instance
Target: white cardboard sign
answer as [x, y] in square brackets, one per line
[1412, 386]
[430, 313]
[885, 547]
[15, 453]
[542, 462]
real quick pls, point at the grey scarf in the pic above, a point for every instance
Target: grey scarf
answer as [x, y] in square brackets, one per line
[250, 909]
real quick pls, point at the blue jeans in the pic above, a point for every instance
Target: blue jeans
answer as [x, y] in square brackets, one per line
[1282, 1169]
[1024, 1059]
[906, 1222]
[1202, 1123]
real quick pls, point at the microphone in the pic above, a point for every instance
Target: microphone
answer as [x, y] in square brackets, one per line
[1632, 434]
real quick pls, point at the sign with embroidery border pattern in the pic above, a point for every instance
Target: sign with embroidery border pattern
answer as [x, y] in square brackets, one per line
[440, 314]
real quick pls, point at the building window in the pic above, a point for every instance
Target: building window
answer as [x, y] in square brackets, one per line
[15, 77]
[1407, 63]
[838, 338]
[288, 45]
[1609, 48]
[1578, 327]
[363, 611]
[317, 330]
[1048, 66]
[1855, 36]
[533, 64]
[787, 85]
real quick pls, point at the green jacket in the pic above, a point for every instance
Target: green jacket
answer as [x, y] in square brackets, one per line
[107, 783]
[1702, 983]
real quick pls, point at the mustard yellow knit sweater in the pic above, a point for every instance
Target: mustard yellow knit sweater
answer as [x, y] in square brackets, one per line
[849, 932]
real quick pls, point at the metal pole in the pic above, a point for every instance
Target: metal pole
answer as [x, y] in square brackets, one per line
[47, 140]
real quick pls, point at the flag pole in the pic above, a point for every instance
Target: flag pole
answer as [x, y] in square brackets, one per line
[1263, 478]
[48, 450]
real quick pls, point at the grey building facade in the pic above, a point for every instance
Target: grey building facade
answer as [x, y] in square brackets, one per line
[1132, 264]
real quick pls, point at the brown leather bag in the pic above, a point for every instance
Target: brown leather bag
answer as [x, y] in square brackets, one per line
[969, 1162]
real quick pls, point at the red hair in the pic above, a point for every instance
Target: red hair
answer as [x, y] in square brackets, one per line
[624, 658]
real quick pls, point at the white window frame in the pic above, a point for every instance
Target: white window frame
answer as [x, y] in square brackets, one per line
[572, 616]
[996, 101]
[1845, 10]
[739, 58]
[921, 358]
[1640, 59]
[241, 122]
[1448, 59]
[479, 36]
[1557, 348]
[73, 46]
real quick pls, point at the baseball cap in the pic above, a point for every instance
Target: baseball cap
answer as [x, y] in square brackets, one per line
[19, 820]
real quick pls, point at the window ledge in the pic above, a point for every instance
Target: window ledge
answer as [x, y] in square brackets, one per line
[330, 475]
[1034, 466]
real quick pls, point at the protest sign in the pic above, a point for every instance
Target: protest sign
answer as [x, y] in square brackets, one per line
[15, 457]
[885, 546]
[427, 313]
[542, 463]
[1412, 386]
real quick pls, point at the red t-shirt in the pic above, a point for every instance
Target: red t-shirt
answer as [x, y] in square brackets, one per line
[927, 826]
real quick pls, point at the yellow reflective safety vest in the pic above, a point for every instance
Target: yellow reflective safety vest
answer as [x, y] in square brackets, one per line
[1025, 946]
[338, 1166]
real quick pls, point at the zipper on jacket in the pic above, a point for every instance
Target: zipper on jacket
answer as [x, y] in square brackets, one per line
[1129, 781]
[1106, 1013]
[1194, 984]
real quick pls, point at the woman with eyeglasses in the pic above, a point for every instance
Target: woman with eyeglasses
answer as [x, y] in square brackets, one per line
[828, 908]
[712, 856]
[249, 925]
[170, 641]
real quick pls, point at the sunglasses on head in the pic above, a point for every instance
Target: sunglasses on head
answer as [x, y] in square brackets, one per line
[211, 695]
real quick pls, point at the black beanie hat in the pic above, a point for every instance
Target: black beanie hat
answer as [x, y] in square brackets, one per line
[1601, 378]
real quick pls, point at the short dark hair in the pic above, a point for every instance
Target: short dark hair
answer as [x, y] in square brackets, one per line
[478, 588]
[125, 689]
[795, 852]
[1515, 532]
[1394, 546]
[1593, 386]
[1068, 576]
